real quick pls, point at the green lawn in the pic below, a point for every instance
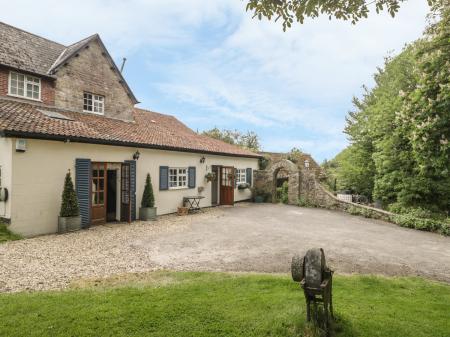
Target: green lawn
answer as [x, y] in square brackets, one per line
[6, 235]
[215, 304]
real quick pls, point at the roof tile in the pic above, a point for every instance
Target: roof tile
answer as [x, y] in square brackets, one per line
[149, 129]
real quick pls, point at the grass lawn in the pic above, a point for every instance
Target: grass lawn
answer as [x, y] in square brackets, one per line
[6, 235]
[216, 304]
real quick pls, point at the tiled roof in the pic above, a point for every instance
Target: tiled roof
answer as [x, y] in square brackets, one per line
[28, 52]
[149, 129]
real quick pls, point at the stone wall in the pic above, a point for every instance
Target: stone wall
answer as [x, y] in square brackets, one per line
[305, 189]
[314, 194]
[92, 72]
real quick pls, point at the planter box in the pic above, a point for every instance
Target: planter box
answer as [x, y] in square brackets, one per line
[147, 213]
[183, 211]
[259, 199]
[69, 224]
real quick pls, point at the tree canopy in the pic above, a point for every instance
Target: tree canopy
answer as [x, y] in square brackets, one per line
[289, 11]
[400, 129]
[248, 140]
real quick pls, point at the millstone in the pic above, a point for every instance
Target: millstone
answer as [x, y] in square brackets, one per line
[297, 268]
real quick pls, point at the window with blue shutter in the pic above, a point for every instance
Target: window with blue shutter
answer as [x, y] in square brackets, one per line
[83, 189]
[163, 178]
[191, 177]
[249, 176]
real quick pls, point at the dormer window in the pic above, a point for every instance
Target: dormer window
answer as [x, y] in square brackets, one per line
[25, 86]
[94, 103]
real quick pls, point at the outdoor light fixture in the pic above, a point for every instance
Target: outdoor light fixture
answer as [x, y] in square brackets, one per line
[136, 155]
[202, 159]
[307, 163]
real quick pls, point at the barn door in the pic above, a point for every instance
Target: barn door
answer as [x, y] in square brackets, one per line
[227, 185]
[98, 193]
[125, 193]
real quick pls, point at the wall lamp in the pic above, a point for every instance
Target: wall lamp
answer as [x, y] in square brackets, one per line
[136, 155]
[202, 160]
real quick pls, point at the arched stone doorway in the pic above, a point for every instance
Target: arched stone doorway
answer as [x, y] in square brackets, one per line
[289, 172]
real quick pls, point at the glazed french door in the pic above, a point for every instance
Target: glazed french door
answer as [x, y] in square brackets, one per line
[227, 185]
[98, 200]
[125, 195]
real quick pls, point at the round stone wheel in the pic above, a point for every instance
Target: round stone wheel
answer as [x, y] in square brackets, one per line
[314, 267]
[297, 268]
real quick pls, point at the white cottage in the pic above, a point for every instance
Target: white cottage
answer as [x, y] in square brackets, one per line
[69, 108]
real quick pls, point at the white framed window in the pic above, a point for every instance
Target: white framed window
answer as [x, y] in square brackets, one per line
[178, 177]
[93, 103]
[26, 86]
[241, 176]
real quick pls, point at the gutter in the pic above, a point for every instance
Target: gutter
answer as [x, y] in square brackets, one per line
[85, 140]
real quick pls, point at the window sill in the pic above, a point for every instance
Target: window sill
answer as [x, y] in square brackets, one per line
[94, 113]
[23, 97]
[178, 188]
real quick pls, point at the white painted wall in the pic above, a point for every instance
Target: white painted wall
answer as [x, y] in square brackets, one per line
[6, 145]
[38, 177]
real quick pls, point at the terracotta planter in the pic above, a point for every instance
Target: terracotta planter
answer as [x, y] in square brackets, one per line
[147, 213]
[69, 224]
[183, 211]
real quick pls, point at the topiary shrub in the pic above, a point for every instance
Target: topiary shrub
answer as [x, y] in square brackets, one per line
[148, 198]
[69, 203]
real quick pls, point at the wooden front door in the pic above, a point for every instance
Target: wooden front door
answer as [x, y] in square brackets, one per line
[227, 185]
[125, 196]
[98, 193]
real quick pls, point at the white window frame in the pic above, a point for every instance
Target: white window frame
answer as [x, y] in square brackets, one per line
[25, 82]
[95, 99]
[178, 173]
[241, 176]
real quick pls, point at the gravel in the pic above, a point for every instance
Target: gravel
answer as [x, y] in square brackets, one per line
[54, 261]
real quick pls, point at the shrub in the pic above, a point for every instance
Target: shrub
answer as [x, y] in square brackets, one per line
[148, 199]
[424, 224]
[305, 202]
[69, 203]
[263, 162]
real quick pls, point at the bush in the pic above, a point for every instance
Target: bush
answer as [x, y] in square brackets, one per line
[304, 202]
[69, 203]
[424, 224]
[148, 199]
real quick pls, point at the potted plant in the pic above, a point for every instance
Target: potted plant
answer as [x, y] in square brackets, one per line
[259, 195]
[69, 216]
[147, 211]
[210, 176]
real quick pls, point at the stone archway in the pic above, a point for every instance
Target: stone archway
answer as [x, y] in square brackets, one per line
[293, 174]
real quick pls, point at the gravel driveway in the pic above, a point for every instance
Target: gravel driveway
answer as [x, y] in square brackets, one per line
[247, 237]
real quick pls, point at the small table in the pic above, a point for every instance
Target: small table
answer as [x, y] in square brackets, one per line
[193, 202]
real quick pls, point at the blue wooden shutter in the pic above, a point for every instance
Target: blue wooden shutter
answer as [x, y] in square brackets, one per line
[191, 177]
[163, 178]
[132, 164]
[83, 188]
[249, 176]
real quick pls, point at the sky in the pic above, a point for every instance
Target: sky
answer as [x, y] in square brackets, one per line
[211, 65]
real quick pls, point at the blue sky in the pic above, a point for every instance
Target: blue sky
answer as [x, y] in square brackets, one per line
[209, 64]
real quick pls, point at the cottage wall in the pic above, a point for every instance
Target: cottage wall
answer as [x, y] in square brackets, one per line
[6, 175]
[39, 176]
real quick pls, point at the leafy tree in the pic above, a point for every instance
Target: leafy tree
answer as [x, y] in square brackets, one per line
[426, 115]
[148, 199]
[297, 10]
[248, 140]
[69, 203]
[400, 129]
